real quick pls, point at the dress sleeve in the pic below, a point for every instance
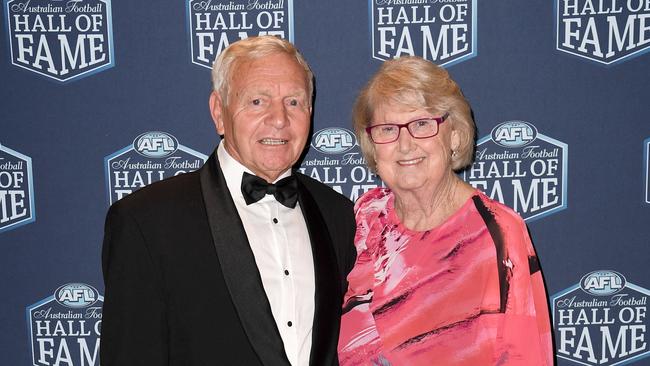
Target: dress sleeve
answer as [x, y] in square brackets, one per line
[360, 279]
[359, 341]
[133, 321]
[528, 328]
[539, 298]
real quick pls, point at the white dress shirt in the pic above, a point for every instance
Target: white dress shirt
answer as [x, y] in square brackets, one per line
[281, 246]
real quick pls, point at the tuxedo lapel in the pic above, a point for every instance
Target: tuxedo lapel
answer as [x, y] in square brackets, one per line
[326, 312]
[238, 267]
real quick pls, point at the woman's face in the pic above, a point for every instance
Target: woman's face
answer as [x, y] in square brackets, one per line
[409, 164]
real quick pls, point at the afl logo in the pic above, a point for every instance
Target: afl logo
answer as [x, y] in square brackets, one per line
[155, 144]
[514, 134]
[334, 140]
[76, 295]
[602, 283]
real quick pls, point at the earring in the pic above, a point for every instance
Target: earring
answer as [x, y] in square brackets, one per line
[454, 153]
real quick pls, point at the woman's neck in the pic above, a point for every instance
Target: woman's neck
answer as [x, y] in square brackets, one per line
[427, 208]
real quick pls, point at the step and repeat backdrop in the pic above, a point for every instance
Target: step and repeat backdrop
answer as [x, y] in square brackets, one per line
[100, 98]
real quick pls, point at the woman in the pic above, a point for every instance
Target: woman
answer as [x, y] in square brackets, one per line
[444, 275]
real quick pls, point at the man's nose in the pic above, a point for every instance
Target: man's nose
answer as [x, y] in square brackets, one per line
[277, 116]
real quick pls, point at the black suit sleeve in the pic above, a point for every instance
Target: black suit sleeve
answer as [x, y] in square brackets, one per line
[348, 251]
[134, 328]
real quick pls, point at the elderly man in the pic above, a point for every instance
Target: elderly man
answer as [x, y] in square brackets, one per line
[244, 261]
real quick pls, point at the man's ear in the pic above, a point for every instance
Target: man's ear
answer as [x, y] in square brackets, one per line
[217, 111]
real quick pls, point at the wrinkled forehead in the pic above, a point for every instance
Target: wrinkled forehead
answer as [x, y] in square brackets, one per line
[277, 71]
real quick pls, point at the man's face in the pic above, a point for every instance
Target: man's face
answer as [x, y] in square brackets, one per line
[266, 122]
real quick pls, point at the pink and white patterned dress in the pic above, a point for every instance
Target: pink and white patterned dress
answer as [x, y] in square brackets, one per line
[468, 292]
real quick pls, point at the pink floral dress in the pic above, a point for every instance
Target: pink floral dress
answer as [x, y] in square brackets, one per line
[468, 292]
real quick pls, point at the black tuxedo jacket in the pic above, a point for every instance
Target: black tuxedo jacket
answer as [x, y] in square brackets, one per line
[181, 284]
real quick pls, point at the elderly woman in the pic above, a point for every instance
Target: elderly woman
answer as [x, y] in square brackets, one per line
[444, 275]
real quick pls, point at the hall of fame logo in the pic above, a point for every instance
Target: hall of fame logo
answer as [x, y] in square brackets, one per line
[213, 25]
[601, 321]
[335, 159]
[62, 40]
[646, 167]
[65, 328]
[16, 189]
[152, 156]
[604, 31]
[440, 31]
[521, 168]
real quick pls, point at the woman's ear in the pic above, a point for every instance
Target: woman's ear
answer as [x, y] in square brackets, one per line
[455, 140]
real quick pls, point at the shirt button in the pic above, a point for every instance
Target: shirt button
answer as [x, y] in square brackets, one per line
[289, 323]
[286, 272]
[275, 221]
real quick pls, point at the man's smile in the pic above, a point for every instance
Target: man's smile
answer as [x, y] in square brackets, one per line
[270, 141]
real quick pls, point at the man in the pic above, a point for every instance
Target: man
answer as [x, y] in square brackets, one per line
[217, 267]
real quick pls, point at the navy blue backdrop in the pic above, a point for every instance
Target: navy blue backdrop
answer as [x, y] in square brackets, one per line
[100, 98]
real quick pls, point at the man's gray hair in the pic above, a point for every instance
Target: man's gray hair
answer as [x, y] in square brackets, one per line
[250, 49]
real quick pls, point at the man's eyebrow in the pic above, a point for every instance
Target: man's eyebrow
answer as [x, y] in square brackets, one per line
[268, 92]
[297, 92]
[250, 92]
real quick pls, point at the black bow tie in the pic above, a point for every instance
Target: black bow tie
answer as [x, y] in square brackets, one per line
[255, 188]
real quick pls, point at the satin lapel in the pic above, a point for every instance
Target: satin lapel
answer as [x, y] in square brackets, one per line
[326, 313]
[238, 266]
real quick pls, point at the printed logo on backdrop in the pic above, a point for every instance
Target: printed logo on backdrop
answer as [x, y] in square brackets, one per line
[441, 31]
[16, 189]
[646, 164]
[604, 31]
[152, 156]
[521, 168]
[602, 320]
[335, 159]
[65, 328]
[213, 25]
[62, 40]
